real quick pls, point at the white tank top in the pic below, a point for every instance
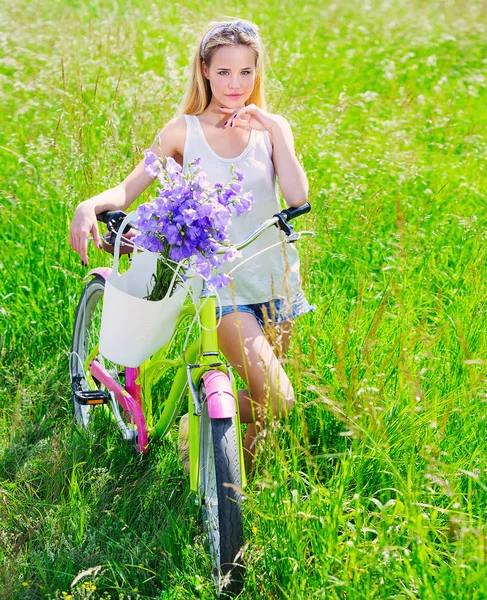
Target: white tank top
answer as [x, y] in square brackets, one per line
[273, 273]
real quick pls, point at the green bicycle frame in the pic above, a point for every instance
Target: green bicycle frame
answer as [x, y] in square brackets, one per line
[203, 355]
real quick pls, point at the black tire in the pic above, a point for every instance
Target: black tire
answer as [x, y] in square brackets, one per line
[85, 336]
[222, 500]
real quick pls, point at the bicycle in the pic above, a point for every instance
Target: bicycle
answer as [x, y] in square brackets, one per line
[216, 460]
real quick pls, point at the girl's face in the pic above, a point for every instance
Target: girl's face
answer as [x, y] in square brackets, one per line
[231, 75]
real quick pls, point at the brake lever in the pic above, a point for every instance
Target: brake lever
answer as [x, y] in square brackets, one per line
[296, 235]
[283, 224]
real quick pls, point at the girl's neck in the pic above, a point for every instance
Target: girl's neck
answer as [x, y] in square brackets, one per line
[213, 115]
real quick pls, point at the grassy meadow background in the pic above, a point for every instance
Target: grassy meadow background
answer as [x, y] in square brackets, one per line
[376, 485]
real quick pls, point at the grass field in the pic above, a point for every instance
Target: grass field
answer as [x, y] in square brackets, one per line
[376, 485]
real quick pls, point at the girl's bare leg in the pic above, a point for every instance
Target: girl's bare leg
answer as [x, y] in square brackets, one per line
[255, 357]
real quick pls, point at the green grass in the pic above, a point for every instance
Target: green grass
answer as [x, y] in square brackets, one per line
[376, 485]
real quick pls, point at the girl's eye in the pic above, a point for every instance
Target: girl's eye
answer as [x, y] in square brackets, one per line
[226, 72]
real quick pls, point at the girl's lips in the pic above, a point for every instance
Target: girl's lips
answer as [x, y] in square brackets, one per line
[234, 95]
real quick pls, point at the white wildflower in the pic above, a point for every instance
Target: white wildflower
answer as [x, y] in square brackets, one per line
[407, 56]
[369, 96]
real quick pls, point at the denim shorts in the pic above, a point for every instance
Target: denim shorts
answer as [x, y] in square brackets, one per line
[272, 312]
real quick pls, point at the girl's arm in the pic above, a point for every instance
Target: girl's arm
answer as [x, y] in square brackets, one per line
[169, 142]
[292, 178]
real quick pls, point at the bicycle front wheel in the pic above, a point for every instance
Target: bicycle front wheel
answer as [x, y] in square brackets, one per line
[221, 482]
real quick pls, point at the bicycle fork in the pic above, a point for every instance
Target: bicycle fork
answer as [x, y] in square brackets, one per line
[221, 395]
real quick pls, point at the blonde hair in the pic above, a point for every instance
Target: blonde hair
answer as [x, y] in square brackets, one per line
[222, 33]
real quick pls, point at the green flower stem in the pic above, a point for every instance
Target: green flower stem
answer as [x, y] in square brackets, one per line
[162, 280]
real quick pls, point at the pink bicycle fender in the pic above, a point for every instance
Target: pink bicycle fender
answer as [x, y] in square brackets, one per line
[125, 400]
[102, 271]
[219, 395]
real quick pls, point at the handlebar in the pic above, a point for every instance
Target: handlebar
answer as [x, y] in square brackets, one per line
[281, 221]
[114, 219]
[288, 214]
[298, 211]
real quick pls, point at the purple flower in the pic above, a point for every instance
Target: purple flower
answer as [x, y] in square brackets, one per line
[195, 234]
[189, 217]
[220, 235]
[203, 267]
[149, 242]
[152, 163]
[163, 206]
[231, 254]
[172, 167]
[187, 249]
[201, 180]
[176, 254]
[221, 217]
[204, 210]
[244, 203]
[219, 280]
[172, 235]
[226, 195]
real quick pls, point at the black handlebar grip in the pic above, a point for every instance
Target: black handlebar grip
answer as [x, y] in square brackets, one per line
[288, 214]
[298, 211]
[113, 219]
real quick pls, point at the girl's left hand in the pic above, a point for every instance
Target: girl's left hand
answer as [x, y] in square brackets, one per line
[251, 117]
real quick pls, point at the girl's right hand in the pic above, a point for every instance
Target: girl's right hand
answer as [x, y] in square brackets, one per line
[84, 223]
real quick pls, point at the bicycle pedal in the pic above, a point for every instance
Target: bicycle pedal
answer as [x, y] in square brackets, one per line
[91, 397]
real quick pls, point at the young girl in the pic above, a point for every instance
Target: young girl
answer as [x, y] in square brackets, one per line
[223, 121]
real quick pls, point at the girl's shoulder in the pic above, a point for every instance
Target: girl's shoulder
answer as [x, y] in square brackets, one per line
[175, 127]
[172, 136]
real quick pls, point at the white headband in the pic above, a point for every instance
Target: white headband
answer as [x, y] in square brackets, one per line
[231, 25]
